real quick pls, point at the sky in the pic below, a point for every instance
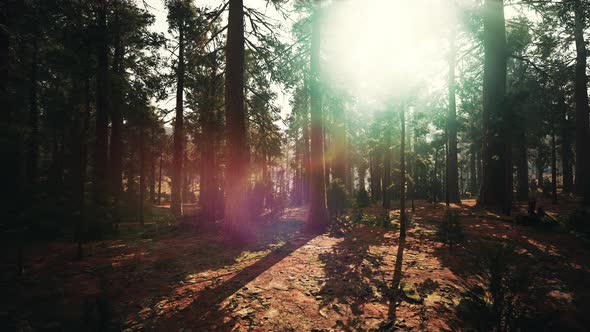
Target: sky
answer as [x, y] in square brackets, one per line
[376, 49]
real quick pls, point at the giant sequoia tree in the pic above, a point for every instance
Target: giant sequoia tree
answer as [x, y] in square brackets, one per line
[236, 218]
[496, 189]
[318, 212]
[581, 102]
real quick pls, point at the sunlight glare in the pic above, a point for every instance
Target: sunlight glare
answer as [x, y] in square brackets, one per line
[381, 49]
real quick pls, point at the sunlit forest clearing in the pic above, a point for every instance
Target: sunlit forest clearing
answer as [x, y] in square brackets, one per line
[295, 165]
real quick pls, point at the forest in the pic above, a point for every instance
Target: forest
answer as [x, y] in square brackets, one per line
[295, 165]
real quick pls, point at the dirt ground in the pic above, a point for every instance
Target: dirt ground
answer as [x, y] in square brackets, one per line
[186, 279]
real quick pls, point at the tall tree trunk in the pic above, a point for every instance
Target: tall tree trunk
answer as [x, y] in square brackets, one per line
[131, 190]
[318, 212]
[473, 171]
[306, 164]
[160, 178]
[566, 147]
[4, 51]
[372, 181]
[33, 143]
[339, 145]
[553, 166]
[479, 163]
[413, 166]
[116, 141]
[362, 173]
[402, 160]
[581, 101]
[237, 222]
[178, 153]
[435, 184]
[187, 177]
[79, 167]
[329, 147]
[452, 166]
[142, 186]
[297, 180]
[152, 161]
[101, 130]
[376, 177]
[445, 175]
[540, 165]
[496, 175]
[387, 170]
[522, 169]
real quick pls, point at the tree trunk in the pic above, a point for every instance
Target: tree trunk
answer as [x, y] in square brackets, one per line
[101, 130]
[160, 179]
[522, 166]
[452, 165]
[473, 171]
[187, 177]
[339, 145]
[435, 184]
[178, 153]
[387, 170]
[496, 175]
[152, 161]
[79, 167]
[402, 160]
[298, 162]
[566, 148]
[375, 193]
[141, 174]
[540, 166]
[413, 166]
[116, 142]
[33, 143]
[553, 166]
[306, 164]
[362, 173]
[318, 212]
[131, 191]
[237, 223]
[581, 100]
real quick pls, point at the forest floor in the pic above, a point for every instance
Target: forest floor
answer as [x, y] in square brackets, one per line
[186, 279]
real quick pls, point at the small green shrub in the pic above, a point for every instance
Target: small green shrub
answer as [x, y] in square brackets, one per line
[500, 304]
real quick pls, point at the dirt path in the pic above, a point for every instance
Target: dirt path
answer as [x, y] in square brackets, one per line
[186, 281]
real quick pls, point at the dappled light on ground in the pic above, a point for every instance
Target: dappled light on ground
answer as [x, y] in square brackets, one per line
[293, 280]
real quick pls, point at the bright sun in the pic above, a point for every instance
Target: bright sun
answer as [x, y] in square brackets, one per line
[379, 49]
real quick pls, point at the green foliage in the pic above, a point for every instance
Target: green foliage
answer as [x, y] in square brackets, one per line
[500, 304]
